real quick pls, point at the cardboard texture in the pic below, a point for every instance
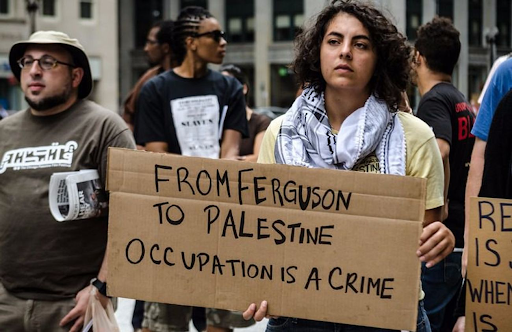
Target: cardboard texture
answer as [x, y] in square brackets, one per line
[317, 244]
[489, 282]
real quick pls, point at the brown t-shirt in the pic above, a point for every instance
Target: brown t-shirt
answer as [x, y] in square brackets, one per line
[257, 124]
[41, 258]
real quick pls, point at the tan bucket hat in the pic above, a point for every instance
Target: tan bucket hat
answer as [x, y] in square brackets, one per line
[55, 37]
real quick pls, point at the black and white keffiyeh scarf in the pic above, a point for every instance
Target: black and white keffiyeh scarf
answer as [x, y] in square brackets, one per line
[306, 138]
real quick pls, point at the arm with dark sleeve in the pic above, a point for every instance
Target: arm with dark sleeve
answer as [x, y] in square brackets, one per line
[150, 119]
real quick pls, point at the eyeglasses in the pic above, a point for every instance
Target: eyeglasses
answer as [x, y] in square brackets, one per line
[46, 62]
[215, 35]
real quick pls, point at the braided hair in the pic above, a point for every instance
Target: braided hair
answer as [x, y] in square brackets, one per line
[186, 25]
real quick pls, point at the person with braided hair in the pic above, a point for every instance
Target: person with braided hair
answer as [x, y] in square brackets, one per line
[193, 111]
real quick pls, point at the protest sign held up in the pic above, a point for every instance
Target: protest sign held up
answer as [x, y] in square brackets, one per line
[317, 244]
[489, 282]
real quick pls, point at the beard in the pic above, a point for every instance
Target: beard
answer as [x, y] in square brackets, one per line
[50, 102]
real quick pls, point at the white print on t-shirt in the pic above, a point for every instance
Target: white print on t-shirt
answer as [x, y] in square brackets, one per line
[54, 155]
[196, 120]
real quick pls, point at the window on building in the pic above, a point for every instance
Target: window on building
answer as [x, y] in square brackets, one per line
[475, 22]
[503, 22]
[48, 8]
[147, 13]
[476, 80]
[414, 12]
[288, 19]
[240, 21]
[86, 9]
[445, 8]
[284, 86]
[199, 3]
[5, 7]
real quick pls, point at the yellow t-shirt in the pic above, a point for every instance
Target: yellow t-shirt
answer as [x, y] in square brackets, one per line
[423, 158]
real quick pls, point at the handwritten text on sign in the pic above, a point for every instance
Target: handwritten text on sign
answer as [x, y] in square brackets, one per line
[489, 283]
[318, 244]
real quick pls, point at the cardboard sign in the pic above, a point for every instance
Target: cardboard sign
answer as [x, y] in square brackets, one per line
[317, 244]
[489, 282]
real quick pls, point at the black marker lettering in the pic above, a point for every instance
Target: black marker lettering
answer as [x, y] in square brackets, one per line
[142, 251]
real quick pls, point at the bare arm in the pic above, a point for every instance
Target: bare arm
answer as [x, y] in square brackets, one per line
[230, 146]
[444, 147]
[460, 325]
[473, 185]
[162, 147]
[476, 171]
[436, 240]
[256, 148]
[432, 215]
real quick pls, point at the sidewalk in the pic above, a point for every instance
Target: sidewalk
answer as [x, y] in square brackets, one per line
[125, 310]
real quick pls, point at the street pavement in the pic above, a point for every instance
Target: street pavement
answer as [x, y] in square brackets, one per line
[125, 310]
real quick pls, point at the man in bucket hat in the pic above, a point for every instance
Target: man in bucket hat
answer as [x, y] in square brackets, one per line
[47, 267]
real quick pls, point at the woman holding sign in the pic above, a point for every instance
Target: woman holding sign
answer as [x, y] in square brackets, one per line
[354, 65]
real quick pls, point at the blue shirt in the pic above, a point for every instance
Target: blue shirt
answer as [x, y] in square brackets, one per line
[500, 84]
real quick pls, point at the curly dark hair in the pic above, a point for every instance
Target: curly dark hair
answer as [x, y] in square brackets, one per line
[393, 53]
[186, 25]
[438, 41]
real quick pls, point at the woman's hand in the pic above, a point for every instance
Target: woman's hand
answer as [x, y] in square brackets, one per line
[436, 242]
[254, 312]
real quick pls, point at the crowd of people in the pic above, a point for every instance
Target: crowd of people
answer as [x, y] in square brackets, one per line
[353, 66]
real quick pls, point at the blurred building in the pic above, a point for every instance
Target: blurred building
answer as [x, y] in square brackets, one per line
[93, 22]
[260, 35]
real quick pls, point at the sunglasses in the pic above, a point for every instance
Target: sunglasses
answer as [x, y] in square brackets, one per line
[215, 35]
[46, 62]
